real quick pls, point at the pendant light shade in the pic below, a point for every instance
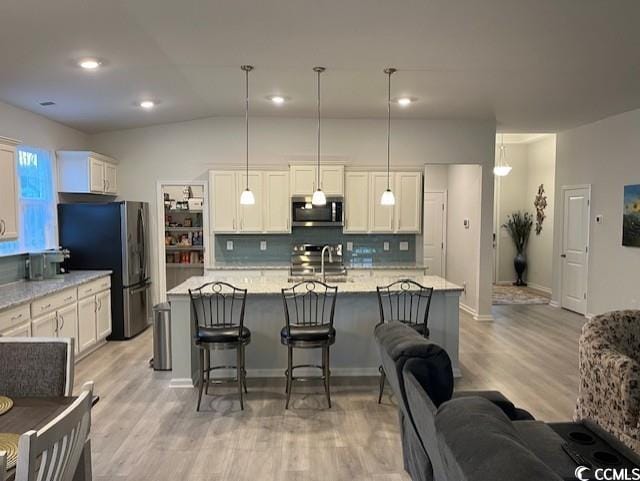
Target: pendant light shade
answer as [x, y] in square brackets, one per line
[247, 197]
[318, 196]
[502, 168]
[387, 196]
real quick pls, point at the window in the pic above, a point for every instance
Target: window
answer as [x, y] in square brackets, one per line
[37, 204]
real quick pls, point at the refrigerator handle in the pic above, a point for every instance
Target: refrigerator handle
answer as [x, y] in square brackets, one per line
[143, 253]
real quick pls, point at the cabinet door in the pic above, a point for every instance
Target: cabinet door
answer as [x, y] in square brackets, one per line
[45, 326]
[96, 176]
[303, 180]
[103, 317]
[332, 180]
[356, 202]
[110, 178]
[408, 209]
[250, 216]
[380, 216]
[8, 194]
[86, 323]
[21, 330]
[277, 210]
[68, 323]
[223, 201]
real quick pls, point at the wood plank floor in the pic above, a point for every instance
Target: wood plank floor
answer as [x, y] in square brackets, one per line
[142, 430]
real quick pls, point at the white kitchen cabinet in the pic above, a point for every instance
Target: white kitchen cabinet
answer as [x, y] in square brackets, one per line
[303, 180]
[87, 332]
[85, 172]
[250, 217]
[45, 326]
[408, 208]
[277, 209]
[103, 314]
[380, 216]
[222, 201]
[67, 323]
[332, 180]
[8, 190]
[356, 203]
[21, 330]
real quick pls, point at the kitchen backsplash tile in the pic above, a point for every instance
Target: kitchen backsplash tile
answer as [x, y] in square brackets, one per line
[368, 249]
[12, 268]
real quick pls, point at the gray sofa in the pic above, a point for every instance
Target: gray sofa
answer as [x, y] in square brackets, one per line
[465, 436]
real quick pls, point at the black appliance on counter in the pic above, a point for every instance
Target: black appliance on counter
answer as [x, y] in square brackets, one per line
[305, 214]
[113, 236]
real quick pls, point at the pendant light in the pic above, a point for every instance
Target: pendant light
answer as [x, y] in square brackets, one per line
[247, 197]
[502, 168]
[318, 196]
[387, 196]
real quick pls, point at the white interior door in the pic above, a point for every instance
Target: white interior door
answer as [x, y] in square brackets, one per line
[575, 248]
[434, 233]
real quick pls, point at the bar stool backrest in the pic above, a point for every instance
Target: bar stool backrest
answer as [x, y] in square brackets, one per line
[218, 305]
[309, 303]
[405, 301]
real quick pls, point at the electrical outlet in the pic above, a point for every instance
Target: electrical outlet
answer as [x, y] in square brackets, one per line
[349, 246]
[385, 246]
[263, 245]
[229, 245]
[599, 219]
[404, 246]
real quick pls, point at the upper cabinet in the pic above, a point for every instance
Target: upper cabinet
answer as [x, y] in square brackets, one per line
[84, 172]
[269, 215]
[8, 190]
[304, 180]
[365, 214]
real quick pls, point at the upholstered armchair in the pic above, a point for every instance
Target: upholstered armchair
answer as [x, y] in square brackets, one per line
[609, 360]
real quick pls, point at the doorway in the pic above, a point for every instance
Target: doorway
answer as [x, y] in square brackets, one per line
[575, 247]
[435, 232]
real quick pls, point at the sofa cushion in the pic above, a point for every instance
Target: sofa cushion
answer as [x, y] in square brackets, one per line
[479, 443]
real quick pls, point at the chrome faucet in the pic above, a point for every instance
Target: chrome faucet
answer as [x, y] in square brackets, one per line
[322, 272]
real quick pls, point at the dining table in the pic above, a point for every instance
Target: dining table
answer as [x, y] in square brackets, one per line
[33, 413]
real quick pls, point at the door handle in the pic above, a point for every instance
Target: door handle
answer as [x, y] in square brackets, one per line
[61, 318]
[563, 256]
[3, 227]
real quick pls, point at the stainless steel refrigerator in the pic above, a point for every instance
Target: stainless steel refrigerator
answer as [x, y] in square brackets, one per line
[113, 236]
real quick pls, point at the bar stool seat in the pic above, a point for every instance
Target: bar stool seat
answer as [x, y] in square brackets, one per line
[289, 335]
[223, 334]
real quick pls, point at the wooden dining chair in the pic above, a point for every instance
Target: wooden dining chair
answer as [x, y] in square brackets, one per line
[54, 452]
[36, 366]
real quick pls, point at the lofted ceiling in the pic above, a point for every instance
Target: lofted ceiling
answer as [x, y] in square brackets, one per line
[533, 65]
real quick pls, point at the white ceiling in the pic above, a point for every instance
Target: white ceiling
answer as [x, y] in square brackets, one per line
[534, 65]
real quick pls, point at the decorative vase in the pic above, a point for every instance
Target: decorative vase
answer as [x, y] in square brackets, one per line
[520, 265]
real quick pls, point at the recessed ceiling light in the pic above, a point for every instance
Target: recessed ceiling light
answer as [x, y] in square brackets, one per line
[147, 104]
[47, 103]
[404, 101]
[89, 63]
[277, 99]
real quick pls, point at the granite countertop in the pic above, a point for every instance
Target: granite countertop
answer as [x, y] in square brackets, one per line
[355, 285]
[22, 292]
[285, 266]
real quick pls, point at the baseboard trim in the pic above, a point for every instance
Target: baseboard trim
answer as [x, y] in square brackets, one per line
[554, 304]
[483, 318]
[539, 287]
[91, 350]
[468, 309]
[589, 316]
[181, 383]
[456, 372]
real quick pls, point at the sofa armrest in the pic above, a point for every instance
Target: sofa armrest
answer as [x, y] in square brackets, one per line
[609, 386]
[501, 401]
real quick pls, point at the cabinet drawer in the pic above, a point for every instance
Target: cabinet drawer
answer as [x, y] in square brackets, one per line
[52, 302]
[93, 287]
[21, 330]
[15, 316]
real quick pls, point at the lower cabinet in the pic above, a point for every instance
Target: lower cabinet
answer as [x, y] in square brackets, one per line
[67, 323]
[44, 326]
[87, 332]
[22, 330]
[103, 314]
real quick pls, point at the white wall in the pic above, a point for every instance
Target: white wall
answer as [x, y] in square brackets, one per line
[187, 150]
[533, 164]
[605, 154]
[37, 131]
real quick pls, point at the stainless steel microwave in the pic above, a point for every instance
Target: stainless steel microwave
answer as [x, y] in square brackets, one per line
[305, 214]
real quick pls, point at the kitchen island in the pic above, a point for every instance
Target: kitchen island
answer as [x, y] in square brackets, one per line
[357, 313]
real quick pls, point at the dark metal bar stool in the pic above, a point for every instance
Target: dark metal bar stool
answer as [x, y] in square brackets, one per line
[218, 312]
[308, 310]
[405, 301]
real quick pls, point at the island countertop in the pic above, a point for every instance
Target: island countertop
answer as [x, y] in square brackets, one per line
[353, 285]
[21, 292]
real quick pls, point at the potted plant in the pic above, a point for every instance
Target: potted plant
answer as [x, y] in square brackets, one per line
[519, 227]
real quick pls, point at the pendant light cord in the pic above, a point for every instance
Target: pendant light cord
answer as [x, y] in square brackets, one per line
[319, 71]
[388, 127]
[246, 120]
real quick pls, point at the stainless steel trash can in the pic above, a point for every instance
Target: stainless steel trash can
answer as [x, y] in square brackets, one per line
[161, 337]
